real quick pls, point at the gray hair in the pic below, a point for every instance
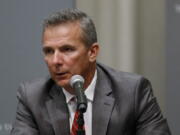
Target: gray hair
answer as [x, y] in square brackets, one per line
[88, 35]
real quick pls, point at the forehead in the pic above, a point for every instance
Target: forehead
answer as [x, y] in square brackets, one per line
[63, 30]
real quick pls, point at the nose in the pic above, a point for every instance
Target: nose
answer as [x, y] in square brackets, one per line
[57, 58]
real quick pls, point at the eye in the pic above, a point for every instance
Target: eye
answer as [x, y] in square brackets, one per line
[48, 51]
[67, 49]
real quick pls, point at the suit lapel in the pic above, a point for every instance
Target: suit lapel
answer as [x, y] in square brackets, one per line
[58, 111]
[102, 105]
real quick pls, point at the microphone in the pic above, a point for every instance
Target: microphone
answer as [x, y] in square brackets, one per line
[77, 82]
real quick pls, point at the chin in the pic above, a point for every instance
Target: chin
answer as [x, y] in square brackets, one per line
[63, 83]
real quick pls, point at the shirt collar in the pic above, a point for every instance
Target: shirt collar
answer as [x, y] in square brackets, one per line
[89, 92]
[68, 95]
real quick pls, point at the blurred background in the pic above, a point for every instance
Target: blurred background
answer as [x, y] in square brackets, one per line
[140, 36]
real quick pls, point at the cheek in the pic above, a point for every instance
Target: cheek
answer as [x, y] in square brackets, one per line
[48, 63]
[70, 62]
[45, 59]
[76, 62]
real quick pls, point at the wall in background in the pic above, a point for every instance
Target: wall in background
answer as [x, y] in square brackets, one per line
[142, 36]
[173, 64]
[20, 49]
[131, 37]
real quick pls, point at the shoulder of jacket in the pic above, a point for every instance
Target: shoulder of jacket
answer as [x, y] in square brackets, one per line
[36, 87]
[119, 75]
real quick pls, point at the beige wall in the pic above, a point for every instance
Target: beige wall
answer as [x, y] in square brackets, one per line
[152, 45]
[131, 35]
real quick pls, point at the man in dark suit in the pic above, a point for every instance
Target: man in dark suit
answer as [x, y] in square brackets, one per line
[119, 103]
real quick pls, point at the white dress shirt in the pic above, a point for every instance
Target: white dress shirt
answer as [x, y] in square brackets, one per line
[89, 92]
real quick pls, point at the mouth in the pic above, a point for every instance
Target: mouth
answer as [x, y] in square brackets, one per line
[60, 75]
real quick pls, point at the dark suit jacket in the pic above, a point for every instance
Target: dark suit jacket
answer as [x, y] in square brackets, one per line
[123, 105]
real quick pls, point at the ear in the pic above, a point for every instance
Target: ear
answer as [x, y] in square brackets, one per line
[93, 52]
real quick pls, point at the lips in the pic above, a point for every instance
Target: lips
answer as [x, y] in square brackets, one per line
[60, 75]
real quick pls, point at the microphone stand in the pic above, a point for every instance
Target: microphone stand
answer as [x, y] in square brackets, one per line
[80, 121]
[77, 83]
[82, 107]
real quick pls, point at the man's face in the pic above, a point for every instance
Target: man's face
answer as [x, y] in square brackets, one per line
[66, 55]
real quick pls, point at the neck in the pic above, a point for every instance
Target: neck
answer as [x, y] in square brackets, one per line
[89, 77]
